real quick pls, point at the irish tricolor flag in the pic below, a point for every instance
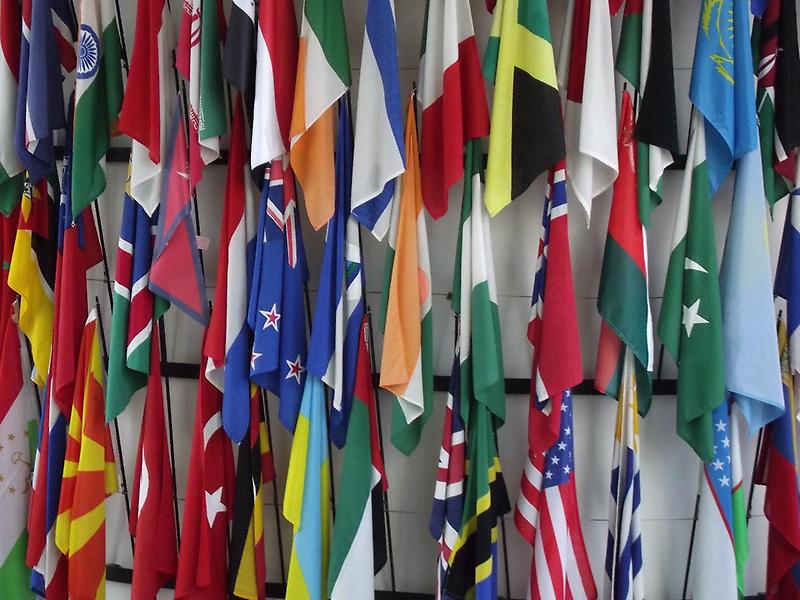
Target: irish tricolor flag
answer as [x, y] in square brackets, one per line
[98, 98]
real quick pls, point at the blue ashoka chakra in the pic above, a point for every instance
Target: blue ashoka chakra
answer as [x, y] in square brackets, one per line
[88, 53]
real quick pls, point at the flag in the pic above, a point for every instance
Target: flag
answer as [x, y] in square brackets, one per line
[306, 502]
[448, 493]
[752, 370]
[590, 115]
[203, 559]
[787, 278]
[721, 534]
[32, 272]
[527, 131]
[175, 274]
[323, 76]
[98, 99]
[452, 97]
[690, 325]
[546, 512]
[379, 154]
[152, 518]
[197, 58]
[135, 307]
[89, 477]
[623, 300]
[407, 361]
[777, 470]
[148, 100]
[624, 574]
[247, 563]
[277, 305]
[355, 556]
[239, 52]
[230, 369]
[11, 175]
[276, 67]
[333, 349]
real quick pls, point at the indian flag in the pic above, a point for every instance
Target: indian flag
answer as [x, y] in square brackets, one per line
[407, 362]
[323, 76]
[98, 99]
[11, 177]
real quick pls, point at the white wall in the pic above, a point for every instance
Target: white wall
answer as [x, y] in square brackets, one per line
[669, 469]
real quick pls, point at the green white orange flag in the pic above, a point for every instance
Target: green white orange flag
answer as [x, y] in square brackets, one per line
[407, 361]
[323, 76]
[98, 99]
[11, 176]
[691, 314]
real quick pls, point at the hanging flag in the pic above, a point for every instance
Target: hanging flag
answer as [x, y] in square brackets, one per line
[691, 315]
[752, 370]
[175, 274]
[323, 76]
[787, 278]
[355, 557]
[136, 308]
[590, 114]
[721, 535]
[11, 175]
[98, 99]
[89, 477]
[333, 348]
[248, 571]
[277, 305]
[152, 519]
[230, 370]
[239, 52]
[148, 99]
[527, 131]
[306, 502]
[197, 58]
[407, 361]
[379, 154]
[276, 67]
[777, 471]
[203, 560]
[623, 300]
[448, 494]
[452, 97]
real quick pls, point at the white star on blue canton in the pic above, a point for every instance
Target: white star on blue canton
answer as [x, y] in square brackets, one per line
[721, 425]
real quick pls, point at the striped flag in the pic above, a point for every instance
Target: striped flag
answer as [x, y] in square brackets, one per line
[407, 361]
[356, 556]
[590, 115]
[627, 321]
[277, 307]
[230, 371]
[11, 175]
[98, 99]
[135, 307]
[239, 52]
[306, 502]
[778, 472]
[203, 560]
[276, 68]
[148, 100]
[527, 131]
[452, 97]
[89, 476]
[379, 155]
[323, 76]
[333, 348]
[198, 59]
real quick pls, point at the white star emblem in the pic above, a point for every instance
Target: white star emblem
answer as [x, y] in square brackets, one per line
[721, 425]
[562, 446]
[717, 464]
[548, 475]
[724, 481]
[555, 460]
[214, 505]
[271, 317]
[566, 470]
[567, 431]
[563, 407]
[295, 369]
[726, 442]
[691, 317]
[253, 357]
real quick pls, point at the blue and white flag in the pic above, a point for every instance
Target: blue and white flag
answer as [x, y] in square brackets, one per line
[787, 278]
[277, 307]
[752, 369]
[379, 155]
[340, 304]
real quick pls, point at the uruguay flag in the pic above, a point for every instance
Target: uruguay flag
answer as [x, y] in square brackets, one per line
[340, 302]
[277, 309]
[379, 154]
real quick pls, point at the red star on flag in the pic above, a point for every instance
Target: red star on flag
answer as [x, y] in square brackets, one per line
[295, 369]
[271, 317]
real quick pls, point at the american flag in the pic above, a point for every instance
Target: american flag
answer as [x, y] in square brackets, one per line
[547, 509]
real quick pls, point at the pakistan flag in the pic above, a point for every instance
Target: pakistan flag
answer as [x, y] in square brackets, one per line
[691, 313]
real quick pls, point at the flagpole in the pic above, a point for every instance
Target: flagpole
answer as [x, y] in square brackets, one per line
[691, 538]
[759, 441]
